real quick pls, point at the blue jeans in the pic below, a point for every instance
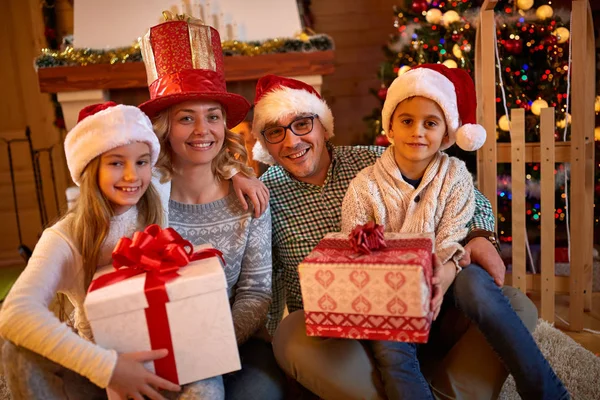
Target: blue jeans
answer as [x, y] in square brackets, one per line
[260, 377]
[477, 296]
[400, 372]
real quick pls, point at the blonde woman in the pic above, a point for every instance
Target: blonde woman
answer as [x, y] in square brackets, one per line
[110, 154]
[192, 114]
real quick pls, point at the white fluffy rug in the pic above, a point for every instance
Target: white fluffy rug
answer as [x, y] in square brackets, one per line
[577, 367]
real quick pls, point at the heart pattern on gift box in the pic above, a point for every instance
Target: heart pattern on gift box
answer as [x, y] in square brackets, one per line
[317, 317]
[395, 280]
[359, 278]
[324, 277]
[327, 303]
[420, 323]
[356, 326]
[356, 319]
[375, 320]
[361, 305]
[396, 306]
[397, 322]
[337, 319]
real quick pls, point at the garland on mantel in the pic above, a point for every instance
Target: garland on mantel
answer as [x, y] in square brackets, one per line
[71, 56]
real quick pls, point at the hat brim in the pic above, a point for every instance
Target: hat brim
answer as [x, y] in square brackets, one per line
[236, 106]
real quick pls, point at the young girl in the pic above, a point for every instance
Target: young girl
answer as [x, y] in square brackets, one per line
[415, 187]
[192, 116]
[110, 154]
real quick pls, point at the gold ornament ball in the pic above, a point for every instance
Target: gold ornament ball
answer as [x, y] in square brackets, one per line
[504, 123]
[544, 12]
[597, 134]
[457, 51]
[450, 17]
[597, 104]
[433, 16]
[562, 34]
[536, 106]
[404, 69]
[524, 4]
[450, 63]
[562, 123]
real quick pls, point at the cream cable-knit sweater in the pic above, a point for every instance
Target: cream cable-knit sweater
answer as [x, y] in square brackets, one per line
[56, 266]
[443, 203]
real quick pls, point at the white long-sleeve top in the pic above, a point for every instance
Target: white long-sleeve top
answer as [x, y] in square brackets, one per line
[56, 267]
[443, 203]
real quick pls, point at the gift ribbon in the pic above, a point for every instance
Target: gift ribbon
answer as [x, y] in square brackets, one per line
[188, 81]
[367, 238]
[159, 253]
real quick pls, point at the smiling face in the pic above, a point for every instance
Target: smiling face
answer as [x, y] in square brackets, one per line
[418, 129]
[304, 157]
[124, 175]
[197, 132]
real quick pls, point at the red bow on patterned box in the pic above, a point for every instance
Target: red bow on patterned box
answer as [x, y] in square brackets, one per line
[160, 253]
[368, 237]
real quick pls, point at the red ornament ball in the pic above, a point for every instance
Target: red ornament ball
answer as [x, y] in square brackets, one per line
[419, 6]
[513, 46]
[382, 140]
[550, 41]
[382, 93]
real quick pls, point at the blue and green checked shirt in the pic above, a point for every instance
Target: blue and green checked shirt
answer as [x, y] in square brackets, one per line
[303, 213]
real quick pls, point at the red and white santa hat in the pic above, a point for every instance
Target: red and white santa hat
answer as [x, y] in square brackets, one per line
[103, 127]
[452, 89]
[278, 97]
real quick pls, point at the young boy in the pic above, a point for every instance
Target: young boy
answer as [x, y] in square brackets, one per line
[414, 187]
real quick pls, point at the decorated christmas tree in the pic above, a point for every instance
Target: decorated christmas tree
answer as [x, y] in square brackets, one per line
[533, 48]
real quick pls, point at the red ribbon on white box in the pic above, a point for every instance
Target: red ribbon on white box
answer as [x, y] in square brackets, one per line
[159, 253]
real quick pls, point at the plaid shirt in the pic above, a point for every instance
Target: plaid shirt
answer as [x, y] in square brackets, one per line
[303, 213]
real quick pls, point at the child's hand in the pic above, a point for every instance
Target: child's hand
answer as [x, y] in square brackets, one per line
[443, 276]
[436, 286]
[254, 189]
[131, 380]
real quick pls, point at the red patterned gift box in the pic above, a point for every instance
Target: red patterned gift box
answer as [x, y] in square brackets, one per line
[384, 295]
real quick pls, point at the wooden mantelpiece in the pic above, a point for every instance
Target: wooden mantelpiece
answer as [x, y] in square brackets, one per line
[80, 86]
[133, 75]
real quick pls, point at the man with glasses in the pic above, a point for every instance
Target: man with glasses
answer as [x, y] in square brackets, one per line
[307, 181]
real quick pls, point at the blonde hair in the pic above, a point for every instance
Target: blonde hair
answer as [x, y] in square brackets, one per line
[89, 222]
[232, 157]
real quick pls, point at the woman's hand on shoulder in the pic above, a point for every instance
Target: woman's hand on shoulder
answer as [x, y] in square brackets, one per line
[256, 191]
[130, 379]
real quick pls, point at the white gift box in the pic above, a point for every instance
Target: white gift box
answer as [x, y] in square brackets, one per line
[199, 319]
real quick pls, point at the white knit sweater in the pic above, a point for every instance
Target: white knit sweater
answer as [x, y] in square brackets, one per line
[56, 266]
[443, 203]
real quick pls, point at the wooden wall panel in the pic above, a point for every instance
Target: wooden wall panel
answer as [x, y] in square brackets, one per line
[359, 29]
[21, 38]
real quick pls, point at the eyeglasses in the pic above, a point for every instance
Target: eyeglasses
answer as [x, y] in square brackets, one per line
[299, 127]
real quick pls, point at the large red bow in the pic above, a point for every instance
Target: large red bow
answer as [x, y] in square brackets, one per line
[159, 253]
[368, 237]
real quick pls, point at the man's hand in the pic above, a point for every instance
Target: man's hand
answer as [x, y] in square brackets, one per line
[482, 252]
[256, 191]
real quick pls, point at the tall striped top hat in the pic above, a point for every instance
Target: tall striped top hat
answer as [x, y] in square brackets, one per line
[184, 61]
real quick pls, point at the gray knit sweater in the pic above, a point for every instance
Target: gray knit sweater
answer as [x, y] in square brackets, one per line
[246, 245]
